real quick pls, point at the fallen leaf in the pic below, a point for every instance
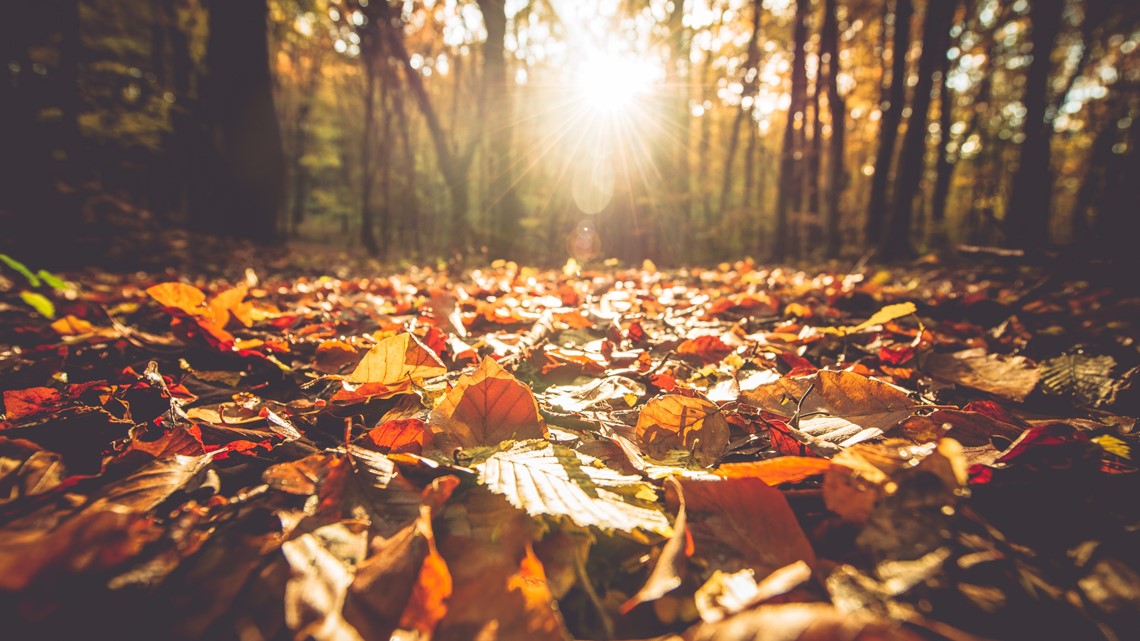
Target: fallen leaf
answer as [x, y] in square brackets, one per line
[180, 296]
[401, 435]
[776, 471]
[486, 407]
[397, 360]
[675, 422]
[742, 523]
[843, 408]
[547, 479]
[672, 563]
[881, 317]
[1012, 377]
[20, 405]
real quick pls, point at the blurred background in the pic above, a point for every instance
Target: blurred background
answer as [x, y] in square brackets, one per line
[684, 131]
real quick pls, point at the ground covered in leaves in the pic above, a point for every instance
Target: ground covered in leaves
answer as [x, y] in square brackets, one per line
[604, 453]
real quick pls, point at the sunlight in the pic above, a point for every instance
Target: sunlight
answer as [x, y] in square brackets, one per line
[615, 85]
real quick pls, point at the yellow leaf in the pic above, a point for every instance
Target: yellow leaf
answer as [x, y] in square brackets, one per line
[881, 317]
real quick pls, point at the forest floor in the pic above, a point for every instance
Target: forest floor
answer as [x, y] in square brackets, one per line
[304, 446]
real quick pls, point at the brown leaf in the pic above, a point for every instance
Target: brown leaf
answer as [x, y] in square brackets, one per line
[742, 523]
[27, 470]
[332, 355]
[1012, 377]
[486, 407]
[675, 422]
[672, 563]
[843, 408]
[863, 475]
[405, 583]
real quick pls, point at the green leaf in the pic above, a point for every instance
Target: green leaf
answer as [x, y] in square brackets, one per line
[20, 268]
[542, 478]
[53, 281]
[40, 303]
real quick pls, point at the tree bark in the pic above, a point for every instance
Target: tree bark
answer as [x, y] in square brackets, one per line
[935, 39]
[1027, 215]
[789, 195]
[367, 220]
[836, 168]
[498, 129]
[249, 175]
[749, 87]
[894, 94]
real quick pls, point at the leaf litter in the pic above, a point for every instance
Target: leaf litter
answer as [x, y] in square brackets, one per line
[509, 453]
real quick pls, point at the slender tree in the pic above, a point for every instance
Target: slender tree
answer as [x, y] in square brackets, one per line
[836, 168]
[1027, 215]
[790, 194]
[894, 94]
[935, 39]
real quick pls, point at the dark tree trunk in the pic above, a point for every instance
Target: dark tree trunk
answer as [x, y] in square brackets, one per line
[894, 94]
[836, 168]
[935, 39]
[1027, 216]
[789, 195]
[249, 175]
[944, 167]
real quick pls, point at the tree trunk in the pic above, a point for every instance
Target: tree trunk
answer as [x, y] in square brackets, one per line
[751, 60]
[498, 127]
[935, 39]
[453, 166]
[249, 175]
[1027, 216]
[894, 94]
[367, 220]
[836, 168]
[944, 167]
[789, 195]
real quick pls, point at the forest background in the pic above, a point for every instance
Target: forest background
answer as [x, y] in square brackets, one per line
[680, 130]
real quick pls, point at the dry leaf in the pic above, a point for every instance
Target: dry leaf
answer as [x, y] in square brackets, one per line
[486, 407]
[675, 422]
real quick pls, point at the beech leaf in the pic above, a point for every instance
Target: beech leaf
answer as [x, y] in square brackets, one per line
[543, 478]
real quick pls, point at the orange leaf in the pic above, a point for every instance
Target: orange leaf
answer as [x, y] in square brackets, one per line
[706, 349]
[28, 403]
[71, 326]
[487, 407]
[785, 469]
[401, 435]
[676, 422]
[187, 298]
[428, 602]
[397, 359]
[230, 302]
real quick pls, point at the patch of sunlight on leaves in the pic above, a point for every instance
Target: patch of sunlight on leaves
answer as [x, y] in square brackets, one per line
[542, 478]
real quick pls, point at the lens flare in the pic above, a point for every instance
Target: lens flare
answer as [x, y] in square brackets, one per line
[584, 243]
